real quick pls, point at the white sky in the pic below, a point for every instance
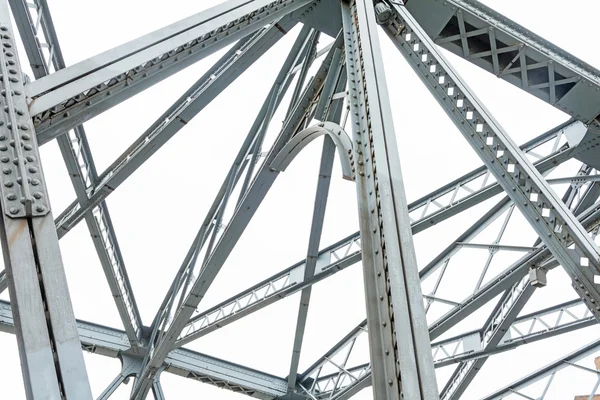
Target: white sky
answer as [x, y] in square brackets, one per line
[157, 211]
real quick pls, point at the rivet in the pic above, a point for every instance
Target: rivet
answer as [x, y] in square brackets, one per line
[6, 171]
[25, 137]
[390, 382]
[381, 298]
[28, 147]
[38, 195]
[11, 197]
[33, 170]
[5, 159]
[13, 210]
[35, 182]
[40, 208]
[30, 158]
[8, 184]
[384, 323]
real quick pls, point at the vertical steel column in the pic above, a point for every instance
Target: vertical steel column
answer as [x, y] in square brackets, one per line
[49, 348]
[402, 365]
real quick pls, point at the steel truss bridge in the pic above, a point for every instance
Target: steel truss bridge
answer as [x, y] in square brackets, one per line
[339, 92]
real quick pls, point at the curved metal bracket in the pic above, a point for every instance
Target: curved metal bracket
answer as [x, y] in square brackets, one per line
[341, 139]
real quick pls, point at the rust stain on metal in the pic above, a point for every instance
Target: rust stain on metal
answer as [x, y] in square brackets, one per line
[14, 234]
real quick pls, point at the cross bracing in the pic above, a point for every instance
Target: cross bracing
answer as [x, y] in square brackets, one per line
[528, 214]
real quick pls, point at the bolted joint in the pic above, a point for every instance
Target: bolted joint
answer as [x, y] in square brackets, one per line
[383, 13]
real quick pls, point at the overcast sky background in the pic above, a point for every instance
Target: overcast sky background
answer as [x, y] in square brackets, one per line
[157, 211]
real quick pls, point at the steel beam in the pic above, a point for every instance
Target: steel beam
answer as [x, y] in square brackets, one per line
[528, 328]
[277, 92]
[157, 391]
[547, 214]
[51, 358]
[209, 86]
[328, 109]
[79, 162]
[71, 96]
[553, 321]
[312, 256]
[541, 258]
[3, 281]
[399, 347]
[335, 258]
[276, 161]
[111, 342]
[467, 191]
[549, 322]
[548, 370]
[330, 260]
[512, 53]
[510, 305]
